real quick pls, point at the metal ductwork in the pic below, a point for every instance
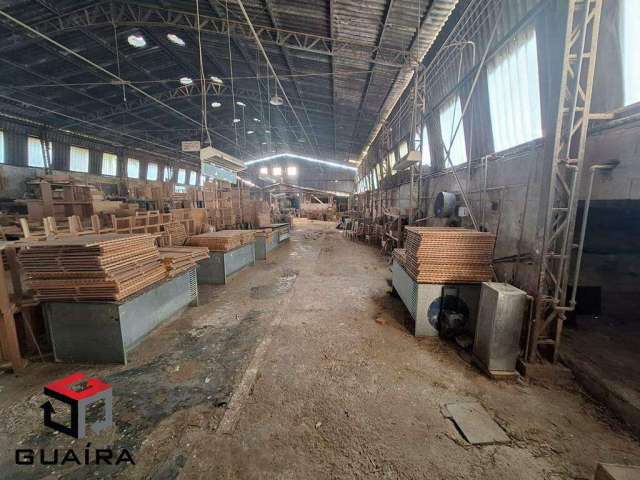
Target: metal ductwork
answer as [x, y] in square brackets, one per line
[439, 12]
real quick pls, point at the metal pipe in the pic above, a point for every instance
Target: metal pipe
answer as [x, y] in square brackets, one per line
[583, 228]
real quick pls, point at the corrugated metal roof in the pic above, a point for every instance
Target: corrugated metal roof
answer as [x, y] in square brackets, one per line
[341, 73]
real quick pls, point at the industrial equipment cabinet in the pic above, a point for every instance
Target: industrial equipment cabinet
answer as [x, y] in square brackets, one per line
[497, 340]
[264, 245]
[104, 332]
[423, 300]
[222, 265]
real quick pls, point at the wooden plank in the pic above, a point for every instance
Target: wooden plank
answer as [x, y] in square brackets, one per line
[8, 334]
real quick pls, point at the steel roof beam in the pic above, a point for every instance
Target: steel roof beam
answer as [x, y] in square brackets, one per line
[287, 60]
[119, 12]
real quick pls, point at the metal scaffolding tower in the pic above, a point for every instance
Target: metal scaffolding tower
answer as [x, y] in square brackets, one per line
[572, 122]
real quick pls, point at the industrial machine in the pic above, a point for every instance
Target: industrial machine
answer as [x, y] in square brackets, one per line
[498, 328]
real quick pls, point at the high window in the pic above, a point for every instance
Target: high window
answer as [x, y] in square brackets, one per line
[514, 92]
[1, 146]
[424, 145]
[133, 168]
[35, 155]
[392, 160]
[630, 40]
[109, 164]
[78, 159]
[168, 174]
[152, 171]
[182, 176]
[403, 149]
[450, 114]
[193, 178]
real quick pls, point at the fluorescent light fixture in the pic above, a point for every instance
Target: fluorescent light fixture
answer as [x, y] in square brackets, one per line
[257, 120]
[241, 104]
[267, 131]
[186, 81]
[137, 41]
[173, 38]
[306, 159]
[249, 132]
[301, 140]
[216, 104]
[217, 80]
[236, 120]
[292, 171]
[247, 182]
[276, 171]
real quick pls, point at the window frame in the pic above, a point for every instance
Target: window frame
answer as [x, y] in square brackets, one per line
[405, 144]
[2, 147]
[513, 87]
[130, 163]
[78, 150]
[157, 168]
[41, 153]
[115, 164]
[454, 101]
[629, 40]
[182, 176]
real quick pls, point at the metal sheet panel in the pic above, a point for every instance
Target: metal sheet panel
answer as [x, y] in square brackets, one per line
[221, 265]
[497, 339]
[103, 332]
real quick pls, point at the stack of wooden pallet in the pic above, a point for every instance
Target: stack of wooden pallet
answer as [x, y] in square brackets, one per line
[265, 232]
[247, 236]
[400, 256]
[197, 254]
[222, 241]
[449, 255]
[106, 267]
[180, 259]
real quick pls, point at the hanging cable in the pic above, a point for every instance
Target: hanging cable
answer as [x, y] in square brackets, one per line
[115, 37]
[233, 94]
[203, 85]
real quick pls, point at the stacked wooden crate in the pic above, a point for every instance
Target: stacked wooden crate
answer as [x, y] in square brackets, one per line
[449, 255]
[106, 267]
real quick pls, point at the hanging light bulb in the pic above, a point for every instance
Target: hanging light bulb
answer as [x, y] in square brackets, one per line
[276, 100]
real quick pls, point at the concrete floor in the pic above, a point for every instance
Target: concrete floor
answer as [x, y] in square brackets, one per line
[341, 390]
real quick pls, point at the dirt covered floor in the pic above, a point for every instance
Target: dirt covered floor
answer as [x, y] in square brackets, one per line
[304, 361]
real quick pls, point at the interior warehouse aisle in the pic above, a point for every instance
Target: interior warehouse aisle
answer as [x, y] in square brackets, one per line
[342, 389]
